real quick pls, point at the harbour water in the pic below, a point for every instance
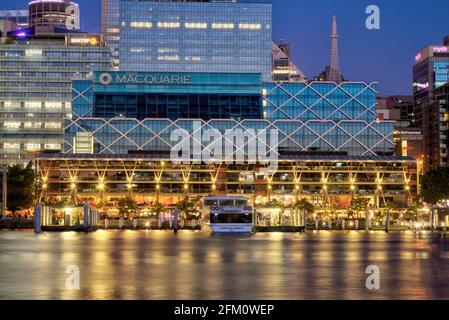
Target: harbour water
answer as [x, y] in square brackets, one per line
[193, 265]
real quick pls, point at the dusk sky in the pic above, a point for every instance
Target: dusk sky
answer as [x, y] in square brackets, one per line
[384, 55]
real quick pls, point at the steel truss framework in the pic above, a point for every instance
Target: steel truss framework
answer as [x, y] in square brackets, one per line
[383, 179]
[320, 116]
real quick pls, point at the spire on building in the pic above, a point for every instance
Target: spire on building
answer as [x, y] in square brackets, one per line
[335, 63]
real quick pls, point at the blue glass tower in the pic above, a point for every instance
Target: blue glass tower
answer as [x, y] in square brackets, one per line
[190, 36]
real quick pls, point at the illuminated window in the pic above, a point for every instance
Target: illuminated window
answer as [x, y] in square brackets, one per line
[168, 24]
[83, 143]
[33, 104]
[33, 53]
[32, 125]
[12, 125]
[11, 104]
[141, 24]
[169, 58]
[222, 26]
[53, 125]
[113, 30]
[404, 145]
[250, 26]
[32, 146]
[53, 105]
[52, 146]
[11, 145]
[191, 25]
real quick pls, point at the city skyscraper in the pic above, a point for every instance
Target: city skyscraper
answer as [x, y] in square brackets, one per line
[189, 36]
[335, 61]
[36, 69]
[430, 72]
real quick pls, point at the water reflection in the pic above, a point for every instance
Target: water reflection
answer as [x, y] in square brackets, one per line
[160, 265]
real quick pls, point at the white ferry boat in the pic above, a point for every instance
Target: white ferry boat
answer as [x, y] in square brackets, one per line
[227, 215]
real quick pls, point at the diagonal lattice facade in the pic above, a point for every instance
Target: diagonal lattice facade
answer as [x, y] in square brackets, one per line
[318, 117]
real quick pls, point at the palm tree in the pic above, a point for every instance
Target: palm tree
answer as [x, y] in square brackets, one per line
[188, 208]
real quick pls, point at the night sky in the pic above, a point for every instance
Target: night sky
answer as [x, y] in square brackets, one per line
[384, 55]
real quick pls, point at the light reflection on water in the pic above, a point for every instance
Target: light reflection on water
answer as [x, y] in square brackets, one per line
[160, 265]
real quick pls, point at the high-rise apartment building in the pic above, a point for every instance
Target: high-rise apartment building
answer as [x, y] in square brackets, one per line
[436, 127]
[189, 36]
[36, 69]
[430, 72]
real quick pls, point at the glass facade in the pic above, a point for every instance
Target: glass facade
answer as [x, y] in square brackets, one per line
[178, 95]
[35, 93]
[321, 101]
[178, 106]
[316, 117]
[430, 73]
[19, 17]
[169, 36]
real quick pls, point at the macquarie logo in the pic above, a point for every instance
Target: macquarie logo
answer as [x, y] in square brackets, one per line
[105, 79]
[144, 79]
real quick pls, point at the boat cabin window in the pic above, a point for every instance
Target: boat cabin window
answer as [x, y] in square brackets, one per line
[211, 203]
[226, 203]
[241, 203]
[231, 218]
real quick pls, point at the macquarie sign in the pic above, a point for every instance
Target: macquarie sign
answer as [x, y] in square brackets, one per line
[108, 78]
[195, 81]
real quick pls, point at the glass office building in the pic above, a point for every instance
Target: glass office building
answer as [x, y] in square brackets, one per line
[35, 88]
[19, 17]
[329, 145]
[430, 73]
[189, 36]
[136, 112]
